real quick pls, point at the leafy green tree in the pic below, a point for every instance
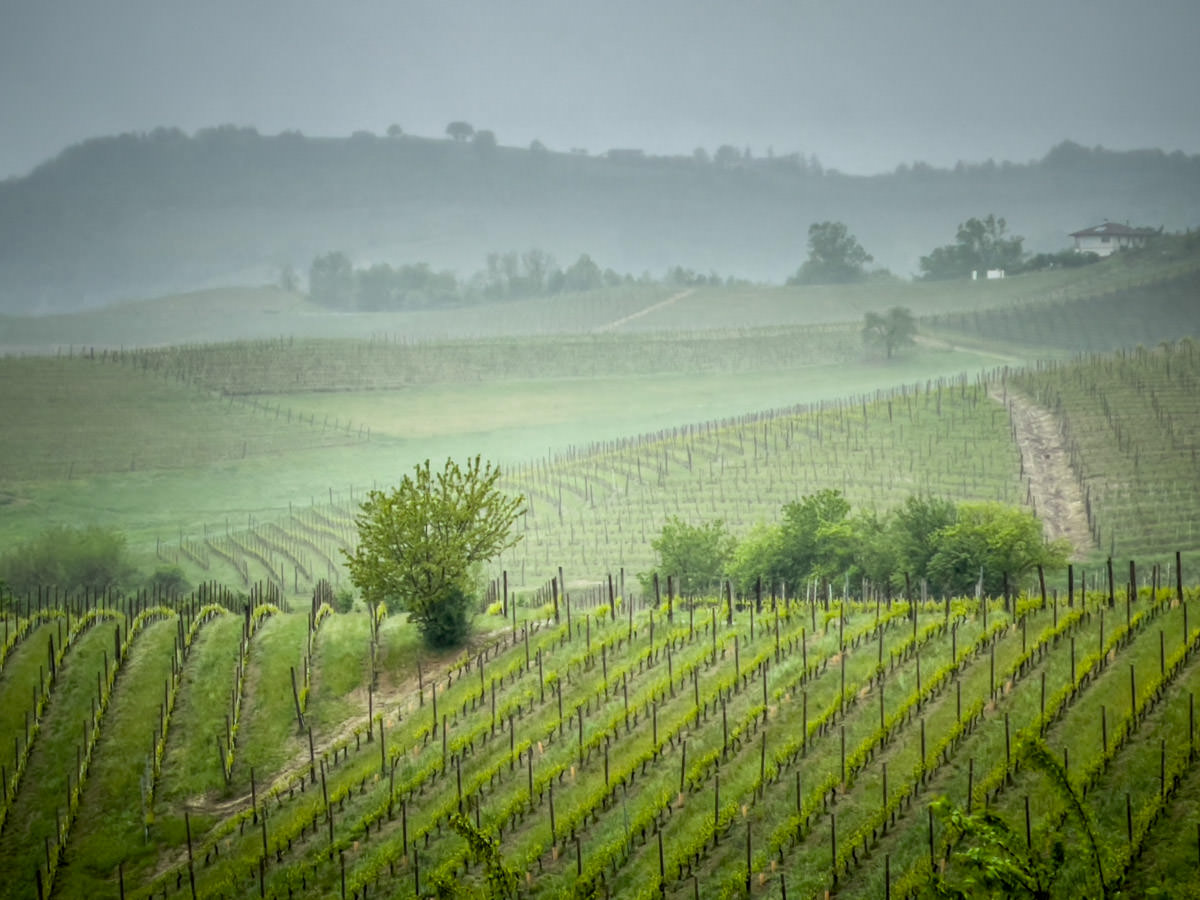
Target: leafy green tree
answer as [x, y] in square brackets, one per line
[891, 330]
[815, 537]
[169, 581]
[995, 540]
[73, 559]
[758, 555]
[419, 543]
[980, 244]
[696, 554]
[913, 530]
[834, 256]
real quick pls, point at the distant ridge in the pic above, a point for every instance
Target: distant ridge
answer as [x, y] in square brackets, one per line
[138, 215]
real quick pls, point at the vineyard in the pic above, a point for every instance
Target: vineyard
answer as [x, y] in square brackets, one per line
[1131, 422]
[599, 740]
[593, 746]
[1127, 423]
[598, 507]
[1120, 317]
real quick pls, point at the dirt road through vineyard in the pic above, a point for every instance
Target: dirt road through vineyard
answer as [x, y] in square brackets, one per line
[1057, 497]
[641, 312]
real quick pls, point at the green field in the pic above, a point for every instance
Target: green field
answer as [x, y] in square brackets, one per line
[751, 745]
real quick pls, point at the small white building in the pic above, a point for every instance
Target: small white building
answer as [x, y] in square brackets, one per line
[1110, 237]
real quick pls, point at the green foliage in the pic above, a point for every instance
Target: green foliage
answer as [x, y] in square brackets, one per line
[419, 542]
[989, 541]
[834, 256]
[696, 555]
[1063, 259]
[993, 858]
[168, 580]
[73, 559]
[980, 245]
[914, 529]
[343, 599]
[925, 537]
[891, 330]
[758, 555]
[996, 859]
[817, 540]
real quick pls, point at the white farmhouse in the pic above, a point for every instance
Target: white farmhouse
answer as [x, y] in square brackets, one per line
[1110, 237]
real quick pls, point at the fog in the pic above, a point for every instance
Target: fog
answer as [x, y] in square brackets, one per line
[862, 85]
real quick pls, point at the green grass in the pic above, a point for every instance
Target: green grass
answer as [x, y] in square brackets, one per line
[191, 768]
[69, 418]
[269, 735]
[41, 801]
[341, 662]
[110, 827]
[17, 685]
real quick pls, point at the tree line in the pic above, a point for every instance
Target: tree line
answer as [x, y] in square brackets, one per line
[333, 281]
[980, 245]
[952, 548]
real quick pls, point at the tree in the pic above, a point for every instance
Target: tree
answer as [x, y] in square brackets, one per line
[484, 141]
[759, 555]
[395, 131]
[419, 543]
[987, 543]
[834, 256]
[582, 275]
[913, 531]
[460, 131]
[891, 330]
[695, 554]
[814, 537]
[331, 280]
[73, 559]
[980, 244]
[726, 155]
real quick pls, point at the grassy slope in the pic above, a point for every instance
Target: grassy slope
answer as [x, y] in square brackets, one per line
[109, 830]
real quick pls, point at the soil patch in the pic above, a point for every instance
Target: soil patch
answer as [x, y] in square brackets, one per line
[1057, 497]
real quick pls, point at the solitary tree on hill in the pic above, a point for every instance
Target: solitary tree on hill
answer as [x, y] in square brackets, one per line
[890, 330]
[460, 131]
[419, 544]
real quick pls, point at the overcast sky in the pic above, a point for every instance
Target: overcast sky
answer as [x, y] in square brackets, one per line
[863, 84]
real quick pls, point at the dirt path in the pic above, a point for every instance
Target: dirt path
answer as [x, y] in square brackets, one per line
[617, 323]
[1057, 497]
[938, 343]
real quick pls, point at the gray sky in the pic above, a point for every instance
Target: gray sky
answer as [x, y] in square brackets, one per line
[863, 84]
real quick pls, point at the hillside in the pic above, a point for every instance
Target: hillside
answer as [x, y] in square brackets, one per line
[608, 749]
[143, 215]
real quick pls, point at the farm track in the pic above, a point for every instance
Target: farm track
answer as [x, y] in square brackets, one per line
[625, 320]
[1057, 498]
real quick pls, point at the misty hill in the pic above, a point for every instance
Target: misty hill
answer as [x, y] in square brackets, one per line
[138, 215]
